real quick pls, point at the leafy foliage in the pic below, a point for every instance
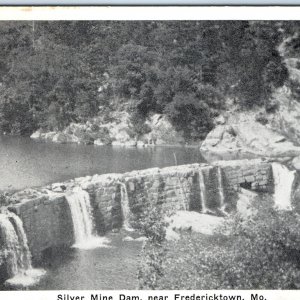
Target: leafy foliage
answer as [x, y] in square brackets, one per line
[261, 252]
[153, 226]
[55, 73]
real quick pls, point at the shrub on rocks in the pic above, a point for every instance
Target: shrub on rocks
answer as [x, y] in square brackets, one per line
[3, 199]
[261, 118]
[260, 252]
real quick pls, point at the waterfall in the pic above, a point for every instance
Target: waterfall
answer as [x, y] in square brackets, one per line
[16, 252]
[125, 207]
[283, 182]
[83, 222]
[221, 189]
[202, 191]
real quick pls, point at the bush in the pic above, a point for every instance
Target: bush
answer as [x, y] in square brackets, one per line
[193, 113]
[138, 122]
[153, 226]
[262, 252]
[3, 199]
[295, 89]
[261, 118]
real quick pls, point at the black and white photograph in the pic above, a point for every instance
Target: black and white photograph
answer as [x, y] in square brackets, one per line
[149, 155]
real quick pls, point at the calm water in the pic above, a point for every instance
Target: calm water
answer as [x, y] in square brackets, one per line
[27, 163]
[97, 269]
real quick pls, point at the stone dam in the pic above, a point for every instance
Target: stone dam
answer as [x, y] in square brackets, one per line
[115, 200]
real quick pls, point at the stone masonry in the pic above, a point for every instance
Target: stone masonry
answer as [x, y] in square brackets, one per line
[46, 214]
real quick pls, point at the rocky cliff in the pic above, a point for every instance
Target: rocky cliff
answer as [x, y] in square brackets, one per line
[247, 138]
[256, 133]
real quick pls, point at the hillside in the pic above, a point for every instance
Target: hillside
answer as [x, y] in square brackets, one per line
[140, 83]
[258, 132]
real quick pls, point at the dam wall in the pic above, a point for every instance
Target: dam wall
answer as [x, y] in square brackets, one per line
[253, 174]
[117, 199]
[46, 219]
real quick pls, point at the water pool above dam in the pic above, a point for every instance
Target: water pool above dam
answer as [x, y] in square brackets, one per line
[28, 163]
[76, 212]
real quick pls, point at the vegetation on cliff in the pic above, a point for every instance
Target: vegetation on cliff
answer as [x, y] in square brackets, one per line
[55, 73]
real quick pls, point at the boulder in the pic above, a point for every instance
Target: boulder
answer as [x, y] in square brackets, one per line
[60, 138]
[220, 120]
[49, 135]
[128, 239]
[122, 136]
[58, 187]
[117, 143]
[194, 221]
[36, 135]
[140, 144]
[130, 143]
[245, 140]
[172, 235]
[296, 163]
[141, 239]
[120, 128]
[99, 142]
[245, 203]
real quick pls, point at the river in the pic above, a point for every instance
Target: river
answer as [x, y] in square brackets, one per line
[28, 163]
[113, 266]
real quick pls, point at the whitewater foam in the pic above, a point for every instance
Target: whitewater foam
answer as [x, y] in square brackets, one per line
[125, 207]
[283, 182]
[27, 278]
[83, 221]
[16, 252]
[93, 243]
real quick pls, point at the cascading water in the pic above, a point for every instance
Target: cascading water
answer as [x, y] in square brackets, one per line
[283, 182]
[125, 207]
[16, 252]
[221, 189]
[202, 190]
[83, 222]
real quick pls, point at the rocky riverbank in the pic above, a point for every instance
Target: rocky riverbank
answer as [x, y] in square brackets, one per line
[117, 131]
[248, 138]
[239, 135]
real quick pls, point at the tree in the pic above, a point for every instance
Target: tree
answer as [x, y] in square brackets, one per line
[153, 226]
[150, 67]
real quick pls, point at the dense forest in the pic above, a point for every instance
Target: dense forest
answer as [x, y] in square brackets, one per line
[54, 73]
